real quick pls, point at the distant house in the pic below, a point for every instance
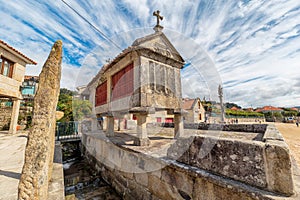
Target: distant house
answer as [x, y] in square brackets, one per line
[29, 87]
[249, 109]
[234, 108]
[196, 111]
[294, 109]
[267, 109]
[12, 70]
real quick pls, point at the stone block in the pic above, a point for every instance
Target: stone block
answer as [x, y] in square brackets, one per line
[162, 189]
[141, 141]
[182, 181]
[278, 164]
[242, 161]
[141, 178]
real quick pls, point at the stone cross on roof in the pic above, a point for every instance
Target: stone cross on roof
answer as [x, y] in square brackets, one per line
[156, 14]
[158, 27]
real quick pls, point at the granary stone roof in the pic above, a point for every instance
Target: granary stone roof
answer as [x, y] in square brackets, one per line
[156, 43]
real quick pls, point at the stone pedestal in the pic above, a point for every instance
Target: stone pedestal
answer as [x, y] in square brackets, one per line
[178, 126]
[14, 117]
[142, 136]
[94, 124]
[110, 126]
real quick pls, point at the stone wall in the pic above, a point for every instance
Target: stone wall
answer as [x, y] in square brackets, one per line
[135, 175]
[5, 116]
[263, 164]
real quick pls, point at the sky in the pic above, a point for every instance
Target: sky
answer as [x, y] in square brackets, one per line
[250, 47]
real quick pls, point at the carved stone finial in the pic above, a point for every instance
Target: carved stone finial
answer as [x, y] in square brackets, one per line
[158, 27]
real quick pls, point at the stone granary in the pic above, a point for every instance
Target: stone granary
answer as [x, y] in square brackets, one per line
[12, 70]
[141, 80]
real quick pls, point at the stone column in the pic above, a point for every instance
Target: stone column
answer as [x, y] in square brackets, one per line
[94, 124]
[178, 125]
[142, 139]
[110, 126]
[39, 152]
[14, 117]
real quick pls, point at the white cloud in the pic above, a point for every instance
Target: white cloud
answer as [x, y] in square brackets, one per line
[258, 41]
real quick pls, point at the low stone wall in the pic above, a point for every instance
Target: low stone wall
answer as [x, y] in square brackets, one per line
[254, 128]
[266, 165]
[56, 189]
[135, 175]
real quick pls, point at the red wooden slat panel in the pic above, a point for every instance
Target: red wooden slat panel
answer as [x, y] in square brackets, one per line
[122, 82]
[101, 94]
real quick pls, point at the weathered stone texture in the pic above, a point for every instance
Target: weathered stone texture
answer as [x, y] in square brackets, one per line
[5, 116]
[279, 168]
[235, 159]
[265, 165]
[169, 179]
[39, 152]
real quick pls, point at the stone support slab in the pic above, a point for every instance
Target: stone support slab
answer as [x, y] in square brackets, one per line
[142, 139]
[110, 126]
[14, 117]
[178, 126]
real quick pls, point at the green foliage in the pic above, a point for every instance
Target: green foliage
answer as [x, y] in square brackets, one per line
[73, 109]
[289, 113]
[65, 105]
[243, 113]
[230, 105]
[81, 109]
[273, 115]
[67, 92]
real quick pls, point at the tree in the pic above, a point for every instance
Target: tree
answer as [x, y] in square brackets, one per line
[230, 105]
[65, 104]
[81, 109]
[73, 109]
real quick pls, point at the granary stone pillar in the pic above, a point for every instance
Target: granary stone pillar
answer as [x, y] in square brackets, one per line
[142, 136]
[110, 126]
[178, 125]
[94, 124]
[14, 116]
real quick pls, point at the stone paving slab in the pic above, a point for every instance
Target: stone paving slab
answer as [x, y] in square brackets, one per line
[11, 162]
[12, 150]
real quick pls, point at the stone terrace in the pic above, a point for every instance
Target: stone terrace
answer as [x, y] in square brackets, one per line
[257, 157]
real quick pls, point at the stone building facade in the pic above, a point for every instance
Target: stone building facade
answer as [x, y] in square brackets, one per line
[195, 110]
[142, 80]
[12, 70]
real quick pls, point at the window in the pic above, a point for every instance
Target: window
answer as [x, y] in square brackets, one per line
[122, 83]
[101, 94]
[6, 67]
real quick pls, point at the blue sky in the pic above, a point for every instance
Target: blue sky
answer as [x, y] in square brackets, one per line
[251, 47]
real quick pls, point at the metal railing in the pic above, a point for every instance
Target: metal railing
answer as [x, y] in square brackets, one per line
[67, 131]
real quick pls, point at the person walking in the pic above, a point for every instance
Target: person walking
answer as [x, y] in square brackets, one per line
[297, 123]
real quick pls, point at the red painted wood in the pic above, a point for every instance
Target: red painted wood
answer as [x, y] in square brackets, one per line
[101, 94]
[122, 82]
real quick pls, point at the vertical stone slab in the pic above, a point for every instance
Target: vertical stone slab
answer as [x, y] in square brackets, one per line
[178, 126]
[94, 124]
[142, 139]
[279, 168]
[14, 117]
[39, 150]
[110, 126]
